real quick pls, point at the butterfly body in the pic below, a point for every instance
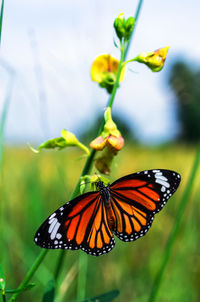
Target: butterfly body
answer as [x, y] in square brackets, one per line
[126, 208]
[104, 191]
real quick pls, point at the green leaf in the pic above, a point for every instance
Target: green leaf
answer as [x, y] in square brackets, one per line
[67, 139]
[49, 293]
[58, 142]
[107, 297]
[18, 290]
[115, 43]
[2, 280]
[82, 186]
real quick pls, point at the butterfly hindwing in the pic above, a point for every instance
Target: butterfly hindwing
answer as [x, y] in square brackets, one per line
[136, 198]
[79, 224]
[131, 223]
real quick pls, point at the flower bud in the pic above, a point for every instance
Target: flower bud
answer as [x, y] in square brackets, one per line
[129, 25]
[154, 60]
[119, 25]
[110, 136]
[124, 28]
[110, 141]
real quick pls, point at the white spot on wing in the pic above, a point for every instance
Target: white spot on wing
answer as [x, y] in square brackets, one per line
[161, 177]
[54, 214]
[51, 220]
[158, 174]
[162, 182]
[53, 234]
[58, 236]
[53, 223]
[163, 189]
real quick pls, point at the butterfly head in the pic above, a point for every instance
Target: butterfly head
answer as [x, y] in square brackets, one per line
[100, 185]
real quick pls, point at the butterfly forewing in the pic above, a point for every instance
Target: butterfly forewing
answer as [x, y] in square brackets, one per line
[149, 190]
[79, 224]
[137, 197]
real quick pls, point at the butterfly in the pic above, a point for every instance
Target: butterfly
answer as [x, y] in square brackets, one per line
[126, 209]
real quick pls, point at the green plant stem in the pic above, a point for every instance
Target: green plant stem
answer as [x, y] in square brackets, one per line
[3, 297]
[1, 18]
[82, 277]
[124, 52]
[137, 13]
[131, 60]
[175, 229]
[30, 273]
[89, 161]
[116, 85]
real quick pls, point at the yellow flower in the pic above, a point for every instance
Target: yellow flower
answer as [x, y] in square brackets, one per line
[110, 136]
[154, 60]
[114, 142]
[104, 71]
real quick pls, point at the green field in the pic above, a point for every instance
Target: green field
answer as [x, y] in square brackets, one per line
[34, 185]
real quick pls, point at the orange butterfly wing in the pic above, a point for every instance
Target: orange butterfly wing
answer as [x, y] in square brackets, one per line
[136, 198]
[79, 224]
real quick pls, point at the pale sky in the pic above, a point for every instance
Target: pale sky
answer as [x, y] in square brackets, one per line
[64, 37]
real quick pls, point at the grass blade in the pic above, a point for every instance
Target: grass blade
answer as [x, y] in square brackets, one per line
[30, 273]
[70, 277]
[7, 100]
[1, 18]
[81, 288]
[2, 285]
[49, 292]
[42, 96]
[2, 280]
[107, 297]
